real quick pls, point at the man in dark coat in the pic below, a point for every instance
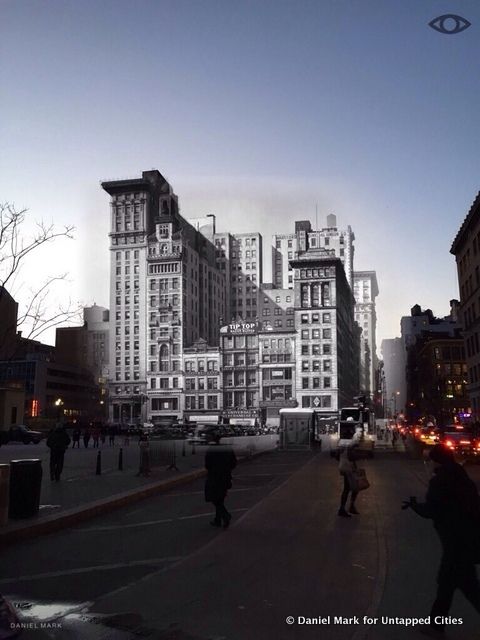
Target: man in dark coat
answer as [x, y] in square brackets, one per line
[453, 503]
[58, 441]
[219, 462]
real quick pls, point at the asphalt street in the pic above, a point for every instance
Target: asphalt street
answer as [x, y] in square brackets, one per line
[159, 570]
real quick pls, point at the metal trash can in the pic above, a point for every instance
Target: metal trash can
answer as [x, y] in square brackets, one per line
[25, 488]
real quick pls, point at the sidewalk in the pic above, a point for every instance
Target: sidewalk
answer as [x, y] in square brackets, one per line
[78, 498]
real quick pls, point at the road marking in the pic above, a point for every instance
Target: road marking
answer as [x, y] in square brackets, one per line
[148, 523]
[99, 567]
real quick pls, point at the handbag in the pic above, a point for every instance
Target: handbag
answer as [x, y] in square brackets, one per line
[361, 479]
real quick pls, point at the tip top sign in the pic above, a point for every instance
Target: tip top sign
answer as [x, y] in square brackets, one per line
[240, 327]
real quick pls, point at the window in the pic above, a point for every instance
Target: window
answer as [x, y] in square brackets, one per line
[327, 334]
[326, 383]
[305, 350]
[327, 349]
[305, 365]
[163, 358]
[304, 318]
[305, 383]
[305, 334]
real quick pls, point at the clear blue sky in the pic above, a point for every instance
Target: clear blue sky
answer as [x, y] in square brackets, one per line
[254, 111]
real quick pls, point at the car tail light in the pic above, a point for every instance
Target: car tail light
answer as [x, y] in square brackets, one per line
[464, 441]
[448, 443]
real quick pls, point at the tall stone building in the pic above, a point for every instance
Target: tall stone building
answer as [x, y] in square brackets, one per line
[165, 294]
[365, 291]
[327, 347]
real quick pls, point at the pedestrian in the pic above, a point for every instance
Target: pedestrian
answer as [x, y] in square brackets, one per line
[126, 438]
[57, 441]
[453, 503]
[86, 437]
[144, 447]
[347, 467]
[96, 437]
[76, 438]
[219, 463]
[111, 436]
[103, 435]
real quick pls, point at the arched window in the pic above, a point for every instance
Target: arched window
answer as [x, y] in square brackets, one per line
[164, 365]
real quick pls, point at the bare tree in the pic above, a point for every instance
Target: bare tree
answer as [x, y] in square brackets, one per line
[16, 246]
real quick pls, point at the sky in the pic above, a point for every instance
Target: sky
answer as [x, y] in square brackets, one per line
[257, 111]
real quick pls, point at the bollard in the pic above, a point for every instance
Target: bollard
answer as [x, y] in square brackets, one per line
[4, 492]
[120, 460]
[183, 448]
[98, 472]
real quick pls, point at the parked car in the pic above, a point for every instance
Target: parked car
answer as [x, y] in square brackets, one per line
[21, 433]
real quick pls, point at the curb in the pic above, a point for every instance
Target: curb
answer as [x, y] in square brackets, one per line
[55, 522]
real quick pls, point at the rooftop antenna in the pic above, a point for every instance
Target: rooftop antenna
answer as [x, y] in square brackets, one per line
[316, 216]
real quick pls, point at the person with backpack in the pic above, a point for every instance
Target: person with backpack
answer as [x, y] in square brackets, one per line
[453, 503]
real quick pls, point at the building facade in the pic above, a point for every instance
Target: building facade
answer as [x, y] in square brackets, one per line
[365, 291]
[466, 249]
[239, 362]
[437, 378]
[202, 383]
[276, 308]
[277, 371]
[165, 294]
[327, 347]
[240, 258]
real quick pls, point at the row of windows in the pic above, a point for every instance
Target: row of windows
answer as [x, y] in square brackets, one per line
[313, 318]
[201, 402]
[119, 390]
[201, 365]
[164, 383]
[316, 402]
[191, 384]
[315, 295]
[238, 380]
[276, 357]
[327, 272]
[126, 345]
[239, 360]
[316, 365]
[316, 383]
[315, 334]
[248, 241]
[126, 300]
[132, 239]
[127, 376]
[278, 244]
[126, 255]
[164, 267]
[241, 399]
[126, 285]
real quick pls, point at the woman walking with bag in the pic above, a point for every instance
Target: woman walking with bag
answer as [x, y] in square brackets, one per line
[347, 467]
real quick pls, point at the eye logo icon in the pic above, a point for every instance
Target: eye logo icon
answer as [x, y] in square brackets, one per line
[449, 24]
